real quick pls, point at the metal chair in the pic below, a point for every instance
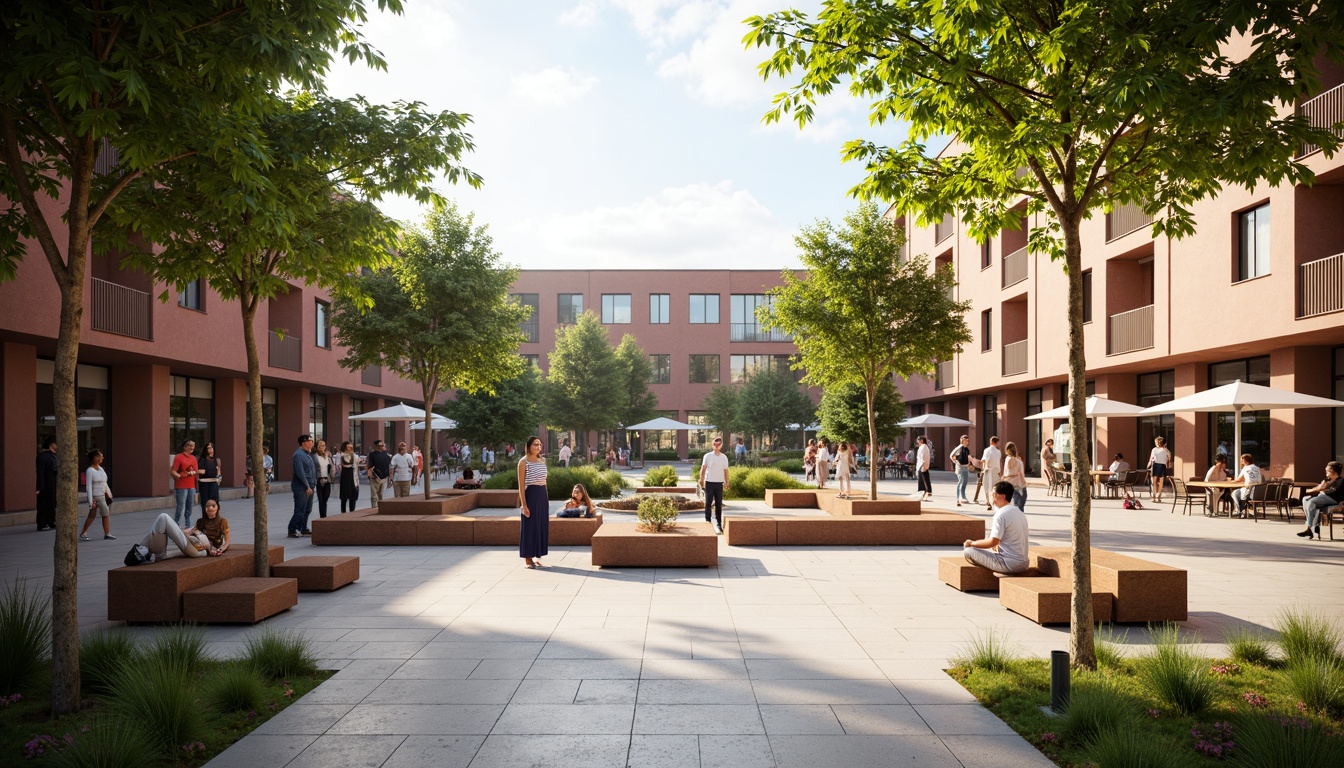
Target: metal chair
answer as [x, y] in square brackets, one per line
[1261, 496]
[1115, 483]
[1329, 514]
[1183, 493]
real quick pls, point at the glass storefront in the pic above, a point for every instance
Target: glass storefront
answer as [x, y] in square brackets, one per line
[191, 411]
[701, 439]
[1254, 424]
[317, 416]
[268, 420]
[357, 427]
[1155, 389]
[92, 409]
[1033, 457]
[661, 439]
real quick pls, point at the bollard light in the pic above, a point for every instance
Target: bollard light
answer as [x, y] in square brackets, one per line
[1059, 681]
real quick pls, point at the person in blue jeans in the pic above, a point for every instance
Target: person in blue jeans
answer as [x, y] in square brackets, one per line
[961, 460]
[303, 484]
[184, 472]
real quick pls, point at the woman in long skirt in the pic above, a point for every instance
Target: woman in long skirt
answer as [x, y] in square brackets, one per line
[533, 532]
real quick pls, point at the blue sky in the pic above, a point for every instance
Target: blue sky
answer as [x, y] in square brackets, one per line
[618, 133]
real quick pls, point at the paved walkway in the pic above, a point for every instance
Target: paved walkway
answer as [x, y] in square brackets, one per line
[830, 656]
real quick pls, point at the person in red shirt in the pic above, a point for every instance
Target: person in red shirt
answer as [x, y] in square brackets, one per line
[184, 473]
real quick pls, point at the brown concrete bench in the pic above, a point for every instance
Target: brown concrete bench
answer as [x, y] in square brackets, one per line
[563, 531]
[1142, 591]
[959, 573]
[456, 531]
[1045, 599]
[868, 530]
[153, 592]
[829, 501]
[447, 530]
[319, 573]
[378, 530]
[688, 545]
[481, 497]
[780, 498]
[243, 600]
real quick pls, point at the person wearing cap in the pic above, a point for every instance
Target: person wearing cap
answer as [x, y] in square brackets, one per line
[380, 469]
[713, 475]
[303, 484]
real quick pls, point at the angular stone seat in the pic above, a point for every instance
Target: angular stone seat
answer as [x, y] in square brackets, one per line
[1045, 599]
[959, 573]
[319, 573]
[451, 531]
[153, 592]
[380, 530]
[786, 498]
[243, 600]
[829, 501]
[685, 490]
[1142, 591]
[688, 545]
[750, 531]
[867, 530]
[563, 531]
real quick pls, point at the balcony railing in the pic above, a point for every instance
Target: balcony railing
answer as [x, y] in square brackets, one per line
[944, 229]
[1125, 219]
[1324, 111]
[121, 310]
[943, 376]
[754, 332]
[106, 160]
[372, 376]
[1015, 267]
[286, 351]
[1015, 358]
[1320, 282]
[531, 331]
[1131, 331]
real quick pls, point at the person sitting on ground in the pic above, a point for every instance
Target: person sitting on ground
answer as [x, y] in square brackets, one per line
[579, 504]
[165, 529]
[467, 480]
[1329, 493]
[1005, 551]
[1249, 476]
[214, 528]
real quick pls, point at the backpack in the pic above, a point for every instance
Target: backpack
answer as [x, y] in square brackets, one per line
[1130, 502]
[139, 555]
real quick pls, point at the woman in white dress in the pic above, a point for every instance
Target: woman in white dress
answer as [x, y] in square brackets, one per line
[843, 458]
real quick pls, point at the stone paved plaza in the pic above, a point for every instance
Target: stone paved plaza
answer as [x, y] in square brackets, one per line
[829, 656]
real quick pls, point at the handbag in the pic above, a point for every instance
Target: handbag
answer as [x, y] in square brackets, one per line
[139, 555]
[1131, 503]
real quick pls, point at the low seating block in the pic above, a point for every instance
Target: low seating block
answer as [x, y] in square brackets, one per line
[750, 531]
[377, 530]
[419, 505]
[1142, 591]
[959, 573]
[867, 530]
[450, 531]
[688, 545]
[831, 503]
[779, 498]
[1045, 599]
[319, 573]
[153, 592]
[243, 600]
[685, 490]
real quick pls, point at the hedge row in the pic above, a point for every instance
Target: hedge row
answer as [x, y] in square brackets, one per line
[560, 481]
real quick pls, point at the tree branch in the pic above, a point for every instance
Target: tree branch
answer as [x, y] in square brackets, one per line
[125, 181]
[28, 197]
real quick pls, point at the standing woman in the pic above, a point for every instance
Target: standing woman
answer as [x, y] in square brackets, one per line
[1158, 462]
[534, 532]
[324, 466]
[1015, 472]
[100, 495]
[843, 458]
[207, 482]
[823, 462]
[923, 461]
[810, 460]
[347, 468]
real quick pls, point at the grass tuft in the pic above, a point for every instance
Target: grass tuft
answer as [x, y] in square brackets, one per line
[160, 697]
[180, 645]
[236, 688]
[1176, 674]
[1265, 742]
[1126, 747]
[1095, 709]
[109, 743]
[278, 654]
[25, 635]
[1248, 646]
[1303, 633]
[1107, 647]
[102, 653]
[1316, 682]
[990, 651]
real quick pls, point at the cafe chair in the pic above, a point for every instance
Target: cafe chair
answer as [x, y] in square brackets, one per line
[1188, 496]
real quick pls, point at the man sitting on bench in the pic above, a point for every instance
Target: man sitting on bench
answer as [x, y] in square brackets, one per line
[1005, 551]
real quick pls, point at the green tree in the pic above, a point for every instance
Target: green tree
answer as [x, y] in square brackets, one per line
[440, 315]
[771, 400]
[720, 407]
[861, 314]
[584, 389]
[638, 402]
[138, 89]
[844, 412]
[1075, 107]
[511, 413]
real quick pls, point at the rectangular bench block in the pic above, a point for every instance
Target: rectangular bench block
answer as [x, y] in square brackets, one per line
[496, 499]
[789, 499]
[374, 530]
[1142, 591]
[830, 502]
[959, 573]
[153, 592]
[499, 531]
[244, 600]
[690, 545]
[868, 530]
[450, 531]
[750, 531]
[319, 573]
[562, 531]
[418, 505]
[1045, 599]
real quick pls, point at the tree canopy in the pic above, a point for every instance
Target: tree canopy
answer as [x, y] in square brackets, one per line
[769, 401]
[510, 413]
[720, 407]
[843, 412]
[585, 387]
[638, 402]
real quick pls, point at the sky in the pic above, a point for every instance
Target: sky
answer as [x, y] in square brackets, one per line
[618, 134]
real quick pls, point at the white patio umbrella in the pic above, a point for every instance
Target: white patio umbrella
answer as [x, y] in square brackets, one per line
[933, 421]
[400, 412]
[440, 422]
[660, 423]
[1097, 407]
[1239, 397]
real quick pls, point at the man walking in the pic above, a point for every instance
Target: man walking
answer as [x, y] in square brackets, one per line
[991, 466]
[565, 454]
[46, 485]
[380, 467]
[184, 471]
[403, 469]
[713, 474]
[302, 485]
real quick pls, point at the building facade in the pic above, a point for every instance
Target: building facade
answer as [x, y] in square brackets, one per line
[1255, 294]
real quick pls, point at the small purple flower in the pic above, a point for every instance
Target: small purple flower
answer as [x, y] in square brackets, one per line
[1049, 738]
[1255, 699]
[1154, 713]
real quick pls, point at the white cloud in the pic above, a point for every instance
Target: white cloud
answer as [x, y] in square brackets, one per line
[709, 226]
[581, 15]
[553, 86]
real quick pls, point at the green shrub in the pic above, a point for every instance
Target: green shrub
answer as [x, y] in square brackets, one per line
[601, 483]
[659, 455]
[661, 477]
[775, 456]
[1303, 633]
[1126, 747]
[1095, 709]
[989, 651]
[109, 743]
[180, 645]
[657, 513]
[1176, 674]
[1107, 647]
[25, 635]
[278, 653]
[747, 483]
[1317, 682]
[1272, 742]
[1247, 646]
[160, 697]
[792, 466]
[236, 687]
[102, 652]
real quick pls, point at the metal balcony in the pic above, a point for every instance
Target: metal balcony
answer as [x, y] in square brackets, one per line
[944, 229]
[754, 332]
[943, 375]
[1131, 331]
[121, 310]
[1015, 358]
[1319, 284]
[1324, 110]
[1125, 219]
[1015, 267]
[531, 332]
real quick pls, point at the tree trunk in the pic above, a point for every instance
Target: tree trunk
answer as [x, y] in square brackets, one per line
[430, 390]
[1080, 632]
[870, 391]
[261, 564]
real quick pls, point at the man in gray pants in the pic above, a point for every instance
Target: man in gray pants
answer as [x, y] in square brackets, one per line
[1005, 551]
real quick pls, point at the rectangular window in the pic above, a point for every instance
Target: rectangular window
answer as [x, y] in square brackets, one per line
[661, 369]
[530, 328]
[659, 306]
[571, 306]
[741, 367]
[1033, 457]
[704, 369]
[191, 411]
[532, 360]
[986, 330]
[269, 418]
[1338, 413]
[322, 334]
[193, 295]
[1087, 296]
[1255, 433]
[704, 308]
[1155, 389]
[1253, 243]
[986, 255]
[317, 415]
[744, 323]
[991, 418]
[616, 308]
[356, 426]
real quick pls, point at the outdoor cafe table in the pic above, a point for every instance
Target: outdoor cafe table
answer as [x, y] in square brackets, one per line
[1210, 485]
[1099, 478]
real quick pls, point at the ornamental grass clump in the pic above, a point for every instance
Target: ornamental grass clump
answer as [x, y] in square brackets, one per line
[25, 635]
[181, 645]
[657, 514]
[159, 696]
[236, 688]
[1095, 708]
[279, 654]
[1317, 682]
[102, 653]
[1176, 674]
[110, 742]
[1303, 634]
[661, 477]
[1270, 742]
[1247, 646]
[1125, 747]
[1107, 647]
[990, 651]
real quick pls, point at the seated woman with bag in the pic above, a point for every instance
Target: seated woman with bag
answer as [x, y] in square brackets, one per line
[579, 505]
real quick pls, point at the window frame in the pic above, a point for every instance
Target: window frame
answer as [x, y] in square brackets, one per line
[322, 324]
[1255, 213]
[1087, 296]
[194, 288]
[987, 330]
[561, 304]
[704, 309]
[660, 368]
[610, 309]
[714, 375]
[660, 308]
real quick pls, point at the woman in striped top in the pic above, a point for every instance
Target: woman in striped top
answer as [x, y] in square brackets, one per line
[100, 495]
[533, 532]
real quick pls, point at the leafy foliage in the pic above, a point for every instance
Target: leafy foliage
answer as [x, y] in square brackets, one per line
[844, 412]
[771, 400]
[560, 481]
[720, 407]
[278, 654]
[585, 389]
[657, 513]
[745, 483]
[511, 413]
[25, 634]
[661, 477]
[638, 402]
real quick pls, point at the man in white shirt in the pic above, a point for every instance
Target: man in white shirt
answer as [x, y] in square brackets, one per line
[565, 453]
[1005, 551]
[991, 463]
[923, 458]
[1249, 475]
[403, 469]
[713, 474]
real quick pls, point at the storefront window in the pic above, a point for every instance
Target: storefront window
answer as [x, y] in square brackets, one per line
[1254, 424]
[661, 439]
[1338, 413]
[268, 420]
[317, 416]
[701, 439]
[191, 411]
[1155, 389]
[357, 426]
[92, 404]
[1033, 457]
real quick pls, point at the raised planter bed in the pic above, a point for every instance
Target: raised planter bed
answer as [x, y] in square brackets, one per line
[688, 545]
[829, 501]
[685, 490]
